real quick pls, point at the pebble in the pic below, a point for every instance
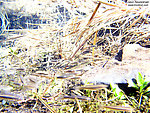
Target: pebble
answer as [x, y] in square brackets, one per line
[135, 59]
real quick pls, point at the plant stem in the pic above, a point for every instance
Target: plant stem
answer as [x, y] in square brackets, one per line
[140, 99]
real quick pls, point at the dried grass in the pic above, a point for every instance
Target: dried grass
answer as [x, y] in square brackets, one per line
[95, 31]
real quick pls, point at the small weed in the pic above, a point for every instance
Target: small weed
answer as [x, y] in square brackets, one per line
[140, 99]
[142, 87]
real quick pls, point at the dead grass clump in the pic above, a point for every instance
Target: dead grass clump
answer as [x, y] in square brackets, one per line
[110, 27]
[71, 34]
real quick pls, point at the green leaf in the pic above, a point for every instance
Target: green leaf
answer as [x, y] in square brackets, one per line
[141, 89]
[115, 89]
[145, 84]
[11, 50]
[140, 79]
[121, 95]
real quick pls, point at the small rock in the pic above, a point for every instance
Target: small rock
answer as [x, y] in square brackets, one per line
[135, 52]
[135, 59]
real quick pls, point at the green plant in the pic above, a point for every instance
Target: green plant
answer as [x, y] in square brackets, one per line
[142, 87]
[118, 93]
[12, 51]
[139, 99]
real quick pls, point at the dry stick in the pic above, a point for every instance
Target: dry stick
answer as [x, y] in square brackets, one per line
[46, 105]
[85, 29]
[90, 20]
[95, 38]
[119, 108]
[137, 19]
[84, 32]
[77, 101]
[12, 38]
[109, 4]
[10, 97]
[74, 29]
[81, 46]
[47, 87]
[94, 13]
